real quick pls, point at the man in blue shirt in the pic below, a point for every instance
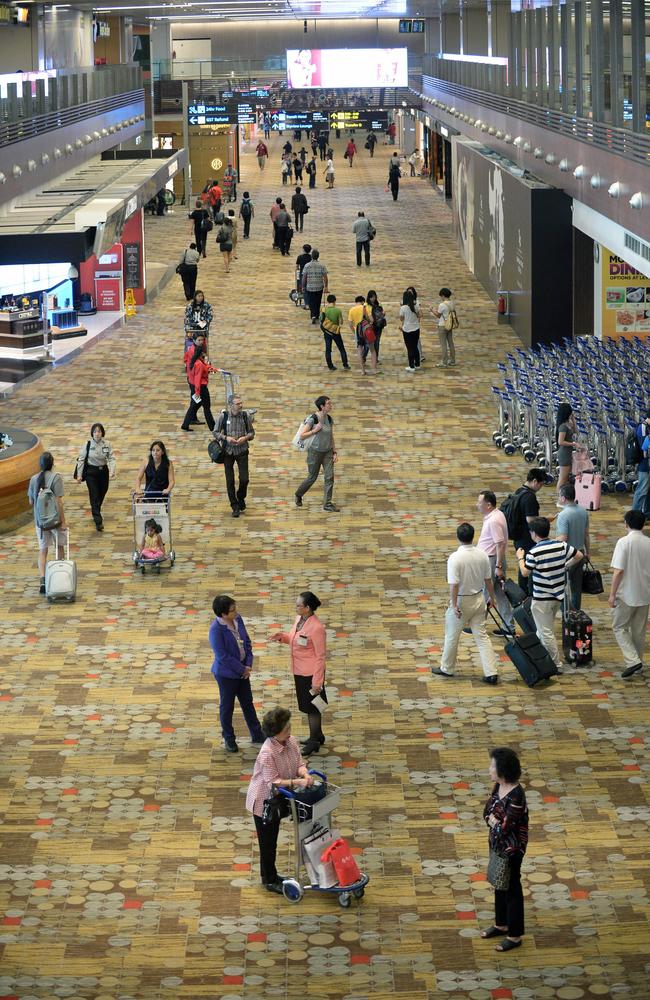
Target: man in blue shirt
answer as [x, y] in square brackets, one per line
[572, 526]
[642, 493]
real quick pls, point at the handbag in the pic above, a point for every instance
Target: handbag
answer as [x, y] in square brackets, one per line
[82, 477]
[275, 807]
[592, 579]
[498, 871]
[372, 232]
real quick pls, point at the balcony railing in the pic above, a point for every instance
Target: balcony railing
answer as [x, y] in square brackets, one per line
[37, 95]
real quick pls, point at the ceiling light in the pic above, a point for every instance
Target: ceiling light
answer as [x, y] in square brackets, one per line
[636, 201]
[579, 172]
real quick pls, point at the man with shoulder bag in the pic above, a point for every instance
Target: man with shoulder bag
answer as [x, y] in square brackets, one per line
[234, 431]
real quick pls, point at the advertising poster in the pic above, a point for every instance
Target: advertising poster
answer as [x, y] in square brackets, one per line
[625, 298]
[308, 69]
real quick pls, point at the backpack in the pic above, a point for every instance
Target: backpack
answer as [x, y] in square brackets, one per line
[451, 321]
[206, 224]
[224, 235]
[246, 209]
[511, 509]
[46, 508]
[633, 449]
[310, 168]
[297, 442]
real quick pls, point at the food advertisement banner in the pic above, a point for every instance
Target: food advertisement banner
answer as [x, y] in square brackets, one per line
[625, 298]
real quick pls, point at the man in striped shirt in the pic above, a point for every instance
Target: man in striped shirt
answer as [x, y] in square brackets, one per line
[547, 563]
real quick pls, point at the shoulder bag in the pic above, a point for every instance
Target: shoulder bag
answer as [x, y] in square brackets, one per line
[82, 477]
[182, 267]
[217, 449]
[498, 871]
[592, 579]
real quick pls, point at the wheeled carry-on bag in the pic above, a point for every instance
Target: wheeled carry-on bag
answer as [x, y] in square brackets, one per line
[577, 634]
[520, 603]
[530, 658]
[61, 574]
[588, 488]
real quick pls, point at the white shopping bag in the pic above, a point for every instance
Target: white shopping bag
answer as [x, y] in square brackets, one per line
[321, 873]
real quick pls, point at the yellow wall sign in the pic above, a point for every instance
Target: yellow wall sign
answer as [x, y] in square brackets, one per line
[216, 164]
[625, 298]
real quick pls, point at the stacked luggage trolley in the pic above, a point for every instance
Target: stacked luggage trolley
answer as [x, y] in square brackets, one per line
[313, 826]
[606, 384]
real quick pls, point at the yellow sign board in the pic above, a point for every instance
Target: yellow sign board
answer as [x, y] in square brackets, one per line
[129, 303]
[625, 298]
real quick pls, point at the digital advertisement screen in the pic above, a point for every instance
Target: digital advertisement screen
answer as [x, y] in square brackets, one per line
[309, 69]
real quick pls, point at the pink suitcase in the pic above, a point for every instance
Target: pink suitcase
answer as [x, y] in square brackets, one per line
[588, 490]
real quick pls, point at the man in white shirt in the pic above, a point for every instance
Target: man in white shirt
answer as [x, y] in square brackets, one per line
[468, 572]
[629, 595]
[494, 542]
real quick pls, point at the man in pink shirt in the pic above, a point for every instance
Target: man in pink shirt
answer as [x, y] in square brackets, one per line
[494, 542]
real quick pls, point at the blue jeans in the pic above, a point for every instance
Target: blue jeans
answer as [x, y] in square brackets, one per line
[642, 492]
[239, 688]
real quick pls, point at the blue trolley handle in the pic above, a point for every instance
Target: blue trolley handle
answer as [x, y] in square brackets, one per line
[292, 795]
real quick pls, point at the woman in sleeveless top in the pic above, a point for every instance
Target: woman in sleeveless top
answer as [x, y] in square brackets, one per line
[157, 471]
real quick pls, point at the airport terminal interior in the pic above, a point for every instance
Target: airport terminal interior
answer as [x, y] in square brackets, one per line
[129, 864]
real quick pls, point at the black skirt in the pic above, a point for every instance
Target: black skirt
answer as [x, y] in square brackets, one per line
[303, 685]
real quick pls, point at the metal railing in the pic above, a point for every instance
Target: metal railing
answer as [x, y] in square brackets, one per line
[28, 128]
[38, 98]
[631, 145]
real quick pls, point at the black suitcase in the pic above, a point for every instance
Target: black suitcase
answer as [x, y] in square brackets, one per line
[524, 616]
[577, 638]
[531, 659]
[515, 594]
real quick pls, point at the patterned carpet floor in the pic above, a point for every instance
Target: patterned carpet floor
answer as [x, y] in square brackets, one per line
[128, 864]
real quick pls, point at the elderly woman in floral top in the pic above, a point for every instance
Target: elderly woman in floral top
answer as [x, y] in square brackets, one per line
[506, 814]
[279, 764]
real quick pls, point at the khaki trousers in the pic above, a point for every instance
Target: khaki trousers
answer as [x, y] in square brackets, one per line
[629, 624]
[473, 616]
[544, 613]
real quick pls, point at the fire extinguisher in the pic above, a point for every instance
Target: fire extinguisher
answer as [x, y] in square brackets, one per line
[501, 305]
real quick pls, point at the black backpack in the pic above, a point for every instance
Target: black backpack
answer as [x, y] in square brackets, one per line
[245, 211]
[511, 509]
[633, 449]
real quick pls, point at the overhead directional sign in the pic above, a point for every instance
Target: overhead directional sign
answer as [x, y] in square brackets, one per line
[208, 114]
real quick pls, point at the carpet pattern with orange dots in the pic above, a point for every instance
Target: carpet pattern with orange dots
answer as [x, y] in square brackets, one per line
[128, 863]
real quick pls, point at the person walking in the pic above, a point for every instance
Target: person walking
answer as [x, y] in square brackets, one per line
[233, 229]
[299, 207]
[188, 269]
[225, 241]
[350, 151]
[525, 508]
[282, 223]
[409, 316]
[329, 173]
[198, 315]
[199, 373]
[51, 481]
[297, 168]
[629, 595]
[322, 145]
[506, 814]
[468, 575]
[314, 284]
[311, 170]
[378, 318]
[157, 471]
[198, 340]
[285, 170]
[215, 196]
[95, 466]
[246, 213]
[394, 174]
[279, 764]
[547, 563]
[235, 430]
[307, 642]
[572, 526]
[414, 162]
[232, 668]
[371, 142]
[267, 127]
[275, 209]
[364, 232]
[262, 152]
[445, 314]
[230, 182]
[493, 541]
[318, 432]
[331, 321]
[641, 499]
[313, 142]
[391, 132]
[565, 438]
[361, 325]
[202, 225]
[303, 154]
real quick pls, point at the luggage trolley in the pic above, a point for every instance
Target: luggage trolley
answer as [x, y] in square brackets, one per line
[156, 505]
[305, 818]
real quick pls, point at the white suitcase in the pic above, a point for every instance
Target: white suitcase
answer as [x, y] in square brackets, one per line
[61, 574]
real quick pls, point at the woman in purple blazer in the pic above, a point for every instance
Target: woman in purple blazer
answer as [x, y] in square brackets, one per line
[232, 667]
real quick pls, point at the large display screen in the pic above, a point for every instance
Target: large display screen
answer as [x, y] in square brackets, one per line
[308, 69]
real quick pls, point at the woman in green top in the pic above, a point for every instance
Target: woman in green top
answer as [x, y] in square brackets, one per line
[331, 320]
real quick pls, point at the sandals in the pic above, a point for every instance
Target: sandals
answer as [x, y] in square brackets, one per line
[492, 932]
[508, 945]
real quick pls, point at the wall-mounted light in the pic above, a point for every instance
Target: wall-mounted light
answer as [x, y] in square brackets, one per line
[3, 179]
[484, 127]
[492, 130]
[595, 181]
[57, 153]
[507, 137]
[104, 131]
[526, 147]
[88, 139]
[636, 201]
[45, 159]
[79, 144]
[68, 149]
[579, 172]
[31, 166]
[72, 272]
[615, 190]
[478, 123]
[96, 135]
[499, 134]
[550, 159]
[563, 165]
[471, 121]
[539, 152]
[16, 170]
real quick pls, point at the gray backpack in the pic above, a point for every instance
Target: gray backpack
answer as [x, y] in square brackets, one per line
[46, 509]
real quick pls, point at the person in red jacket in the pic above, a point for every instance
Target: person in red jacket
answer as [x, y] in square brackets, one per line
[215, 194]
[198, 375]
[199, 340]
[350, 150]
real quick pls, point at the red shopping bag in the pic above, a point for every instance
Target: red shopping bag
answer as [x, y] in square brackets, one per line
[340, 855]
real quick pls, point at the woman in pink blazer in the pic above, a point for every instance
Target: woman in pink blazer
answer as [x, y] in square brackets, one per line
[307, 643]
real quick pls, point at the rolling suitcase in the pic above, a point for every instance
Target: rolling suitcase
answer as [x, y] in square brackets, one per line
[520, 603]
[515, 594]
[61, 574]
[530, 658]
[588, 487]
[577, 634]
